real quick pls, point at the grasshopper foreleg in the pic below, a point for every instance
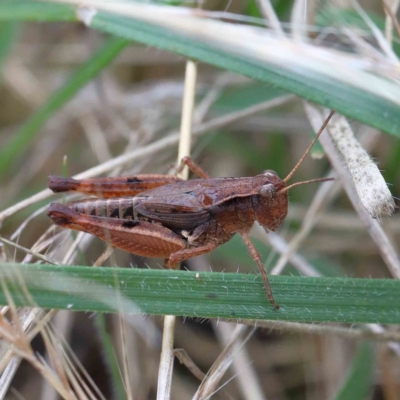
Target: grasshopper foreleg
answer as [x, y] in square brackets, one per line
[256, 257]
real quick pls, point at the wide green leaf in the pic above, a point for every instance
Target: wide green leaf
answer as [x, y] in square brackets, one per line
[355, 93]
[211, 294]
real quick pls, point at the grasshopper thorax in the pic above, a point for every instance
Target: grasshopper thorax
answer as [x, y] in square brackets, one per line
[269, 204]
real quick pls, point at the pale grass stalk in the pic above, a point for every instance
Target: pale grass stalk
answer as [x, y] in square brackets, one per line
[246, 376]
[8, 375]
[77, 368]
[95, 136]
[209, 385]
[166, 359]
[362, 45]
[9, 362]
[29, 251]
[318, 203]
[72, 249]
[269, 14]
[33, 316]
[167, 354]
[185, 359]
[151, 149]
[69, 376]
[78, 383]
[298, 20]
[391, 11]
[125, 363]
[41, 244]
[54, 345]
[55, 358]
[350, 332]
[338, 220]
[385, 46]
[24, 224]
[16, 336]
[373, 227]
[278, 243]
[23, 82]
[41, 324]
[211, 96]
[187, 115]
[61, 323]
[376, 328]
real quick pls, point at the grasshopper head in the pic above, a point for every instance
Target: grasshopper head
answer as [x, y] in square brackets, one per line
[270, 205]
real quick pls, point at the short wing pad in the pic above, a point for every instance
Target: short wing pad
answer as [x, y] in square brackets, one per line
[173, 215]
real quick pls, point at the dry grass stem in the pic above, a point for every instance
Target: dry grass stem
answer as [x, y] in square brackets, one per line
[184, 359]
[384, 45]
[16, 336]
[28, 251]
[8, 375]
[187, 114]
[125, 362]
[268, 12]
[376, 232]
[166, 359]
[245, 375]
[222, 363]
[368, 181]
[352, 333]
[80, 372]
[391, 20]
[287, 252]
[317, 205]
[167, 355]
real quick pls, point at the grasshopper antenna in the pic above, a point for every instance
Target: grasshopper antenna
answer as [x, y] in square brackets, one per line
[304, 183]
[296, 167]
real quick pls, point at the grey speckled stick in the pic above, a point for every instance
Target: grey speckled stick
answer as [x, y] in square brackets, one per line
[375, 230]
[368, 181]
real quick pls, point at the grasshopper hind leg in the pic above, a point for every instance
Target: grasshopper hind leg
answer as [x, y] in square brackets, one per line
[136, 237]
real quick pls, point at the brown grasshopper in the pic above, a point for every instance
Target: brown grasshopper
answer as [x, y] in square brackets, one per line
[165, 217]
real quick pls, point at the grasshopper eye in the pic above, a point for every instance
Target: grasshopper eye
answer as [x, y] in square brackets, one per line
[268, 191]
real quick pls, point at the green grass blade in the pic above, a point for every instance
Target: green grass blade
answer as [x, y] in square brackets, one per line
[351, 101]
[211, 294]
[359, 381]
[373, 100]
[81, 77]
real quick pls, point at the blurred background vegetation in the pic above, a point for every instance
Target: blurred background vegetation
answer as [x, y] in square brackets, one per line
[135, 100]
